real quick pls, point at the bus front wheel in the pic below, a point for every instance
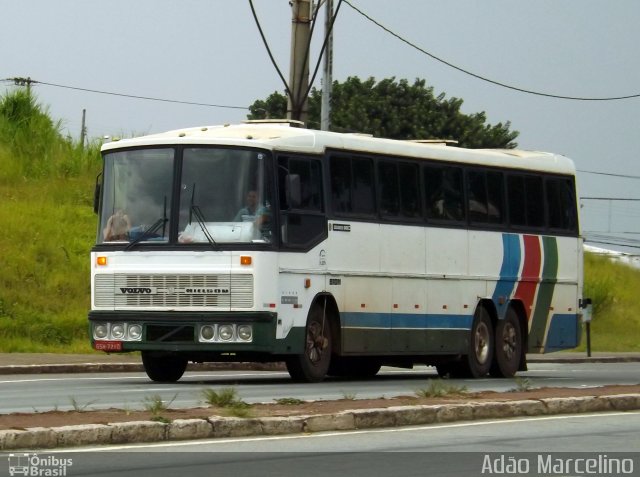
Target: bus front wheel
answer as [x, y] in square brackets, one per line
[312, 365]
[163, 368]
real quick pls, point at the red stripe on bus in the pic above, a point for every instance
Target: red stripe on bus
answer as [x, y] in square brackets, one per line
[530, 275]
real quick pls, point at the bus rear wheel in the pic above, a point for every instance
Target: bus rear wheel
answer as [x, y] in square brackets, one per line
[478, 360]
[508, 346]
[312, 365]
[163, 368]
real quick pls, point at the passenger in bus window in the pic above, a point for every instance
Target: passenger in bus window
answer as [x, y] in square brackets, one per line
[118, 227]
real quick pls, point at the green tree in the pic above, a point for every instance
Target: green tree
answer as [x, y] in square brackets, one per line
[397, 110]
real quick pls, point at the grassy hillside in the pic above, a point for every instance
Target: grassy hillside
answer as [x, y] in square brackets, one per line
[613, 287]
[48, 225]
[48, 228]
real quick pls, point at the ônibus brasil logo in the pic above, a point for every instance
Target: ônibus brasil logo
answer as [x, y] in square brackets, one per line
[40, 466]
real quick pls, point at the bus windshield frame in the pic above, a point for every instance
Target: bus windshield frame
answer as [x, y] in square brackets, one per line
[191, 195]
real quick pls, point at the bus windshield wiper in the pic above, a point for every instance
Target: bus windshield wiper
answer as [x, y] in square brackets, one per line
[147, 233]
[197, 213]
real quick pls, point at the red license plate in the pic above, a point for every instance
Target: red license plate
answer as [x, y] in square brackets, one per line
[108, 345]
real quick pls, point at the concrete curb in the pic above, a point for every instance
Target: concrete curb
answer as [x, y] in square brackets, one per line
[219, 427]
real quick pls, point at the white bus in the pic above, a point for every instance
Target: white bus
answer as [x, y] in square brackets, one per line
[335, 253]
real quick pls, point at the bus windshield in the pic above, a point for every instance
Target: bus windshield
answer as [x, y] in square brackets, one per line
[222, 196]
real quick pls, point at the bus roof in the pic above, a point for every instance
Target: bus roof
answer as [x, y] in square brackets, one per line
[284, 136]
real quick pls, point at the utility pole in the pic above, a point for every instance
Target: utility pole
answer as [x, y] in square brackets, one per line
[83, 129]
[24, 82]
[327, 77]
[299, 72]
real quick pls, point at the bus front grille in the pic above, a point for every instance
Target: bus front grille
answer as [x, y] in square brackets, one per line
[150, 290]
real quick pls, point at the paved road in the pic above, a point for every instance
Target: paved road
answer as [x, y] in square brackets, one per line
[455, 449]
[30, 393]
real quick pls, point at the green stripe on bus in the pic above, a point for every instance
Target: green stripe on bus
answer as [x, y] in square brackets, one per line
[547, 285]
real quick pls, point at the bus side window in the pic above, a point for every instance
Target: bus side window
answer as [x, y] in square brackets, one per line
[516, 201]
[410, 190]
[302, 221]
[535, 201]
[444, 193]
[477, 196]
[389, 193]
[526, 201]
[341, 184]
[495, 197]
[310, 179]
[485, 196]
[561, 204]
[363, 195]
[352, 185]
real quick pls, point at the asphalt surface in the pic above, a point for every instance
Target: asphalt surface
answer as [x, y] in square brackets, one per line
[224, 427]
[40, 363]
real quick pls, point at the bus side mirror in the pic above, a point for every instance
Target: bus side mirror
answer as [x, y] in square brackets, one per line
[96, 194]
[294, 191]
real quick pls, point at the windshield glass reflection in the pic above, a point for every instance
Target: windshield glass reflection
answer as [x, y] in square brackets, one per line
[223, 197]
[136, 189]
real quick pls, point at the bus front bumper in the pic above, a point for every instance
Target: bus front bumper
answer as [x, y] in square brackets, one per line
[220, 333]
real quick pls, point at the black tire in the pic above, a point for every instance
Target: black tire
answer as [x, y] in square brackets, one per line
[313, 364]
[354, 367]
[508, 346]
[481, 343]
[163, 368]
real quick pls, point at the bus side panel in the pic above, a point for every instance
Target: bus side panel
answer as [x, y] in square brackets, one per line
[547, 285]
[366, 320]
[563, 325]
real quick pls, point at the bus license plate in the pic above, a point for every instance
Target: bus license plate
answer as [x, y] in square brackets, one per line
[108, 345]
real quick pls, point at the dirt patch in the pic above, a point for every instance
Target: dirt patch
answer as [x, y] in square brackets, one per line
[68, 418]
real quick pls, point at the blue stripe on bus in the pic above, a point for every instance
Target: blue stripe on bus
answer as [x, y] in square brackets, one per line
[511, 257]
[564, 332]
[405, 320]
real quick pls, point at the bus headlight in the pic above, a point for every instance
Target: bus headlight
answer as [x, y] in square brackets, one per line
[100, 331]
[245, 333]
[225, 332]
[117, 331]
[134, 332]
[207, 332]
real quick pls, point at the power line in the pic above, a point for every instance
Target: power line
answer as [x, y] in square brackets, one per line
[266, 45]
[483, 78]
[21, 81]
[610, 198]
[626, 176]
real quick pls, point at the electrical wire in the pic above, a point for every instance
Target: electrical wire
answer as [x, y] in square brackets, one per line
[611, 198]
[483, 78]
[266, 45]
[609, 174]
[111, 93]
[324, 47]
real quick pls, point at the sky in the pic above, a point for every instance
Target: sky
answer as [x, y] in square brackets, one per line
[210, 51]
